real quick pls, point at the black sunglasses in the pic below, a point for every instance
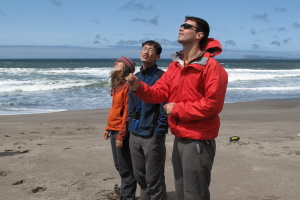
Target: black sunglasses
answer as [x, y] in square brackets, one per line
[188, 26]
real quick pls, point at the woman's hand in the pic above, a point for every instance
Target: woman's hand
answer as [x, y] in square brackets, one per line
[106, 135]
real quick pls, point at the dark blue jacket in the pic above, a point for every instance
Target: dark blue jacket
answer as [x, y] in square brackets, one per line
[152, 119]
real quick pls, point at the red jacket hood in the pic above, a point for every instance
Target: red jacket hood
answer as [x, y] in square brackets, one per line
[213, 47]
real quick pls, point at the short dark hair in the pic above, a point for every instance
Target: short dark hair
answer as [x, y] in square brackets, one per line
[156, 45]
[202, 26]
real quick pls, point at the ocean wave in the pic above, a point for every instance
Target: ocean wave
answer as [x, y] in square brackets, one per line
[25, 72]
[264, 88]
[23, 111]
[43, 85]
[253, 75]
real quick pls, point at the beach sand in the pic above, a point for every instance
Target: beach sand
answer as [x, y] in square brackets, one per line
[64, 156]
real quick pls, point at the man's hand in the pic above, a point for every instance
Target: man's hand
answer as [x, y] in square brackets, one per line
[133, 82]
[106, 135]
[168, 108]
[119, 144]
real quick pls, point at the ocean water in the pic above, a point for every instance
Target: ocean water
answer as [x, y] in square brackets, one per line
[51, 85]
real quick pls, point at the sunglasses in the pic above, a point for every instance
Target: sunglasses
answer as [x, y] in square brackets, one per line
[188, 26]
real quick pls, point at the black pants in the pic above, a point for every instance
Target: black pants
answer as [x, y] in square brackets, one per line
[122, 160]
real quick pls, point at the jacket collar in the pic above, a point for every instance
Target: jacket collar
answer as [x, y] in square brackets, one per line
[199, 59]
[149, 70]
[210, 49]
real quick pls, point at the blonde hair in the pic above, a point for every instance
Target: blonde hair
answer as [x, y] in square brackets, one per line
[117, 78]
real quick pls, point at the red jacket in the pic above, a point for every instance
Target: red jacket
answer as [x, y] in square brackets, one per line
[118, 114]
[198, 91]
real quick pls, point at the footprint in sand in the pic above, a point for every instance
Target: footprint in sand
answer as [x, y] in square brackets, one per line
[9, 152]
[4, 173]
[102, 194]
[108, 178]
[90, 173]
[18, 182]
[19, 143]
[86, 128]
[38, 189]
[80, 185]
[297, 153]
[58, 127]
[34, 132]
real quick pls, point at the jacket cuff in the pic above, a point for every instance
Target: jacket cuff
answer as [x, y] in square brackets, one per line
[119, 138]
[140, 89]
[174, 110]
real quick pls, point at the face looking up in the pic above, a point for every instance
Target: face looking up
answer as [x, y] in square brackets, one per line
[119, 66]
[188, 32]
[148, 54]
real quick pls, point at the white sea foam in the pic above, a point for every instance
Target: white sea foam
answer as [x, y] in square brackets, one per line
[248, 74]
[32, 79]
[42, 85]
[265, 89]
[25, 111]
[103, 72]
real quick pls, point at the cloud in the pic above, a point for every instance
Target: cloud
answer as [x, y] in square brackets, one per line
[96, 20]
[139, 20]
[99, 39]
[280, 9]
[56, 2]
[153, 21]
[282, 29]
[2, 13]
[253, 32]
[167, 42]
[230, 42]
[161, 41]
[129, 42]
[133, 5]
[285, 41]
[263, 17]
[276, 43]
[255, 46]
[296, 25]
[26, 51]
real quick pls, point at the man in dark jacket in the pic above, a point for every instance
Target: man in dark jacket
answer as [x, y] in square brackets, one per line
[148, 127]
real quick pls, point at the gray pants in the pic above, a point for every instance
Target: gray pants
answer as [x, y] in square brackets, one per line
[148, 159]
[123, 164]
[192, 163]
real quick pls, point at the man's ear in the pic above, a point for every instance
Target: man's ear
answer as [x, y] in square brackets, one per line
[157, 57]
[200, 35]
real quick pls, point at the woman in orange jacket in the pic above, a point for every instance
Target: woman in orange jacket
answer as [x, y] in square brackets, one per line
[116, 129]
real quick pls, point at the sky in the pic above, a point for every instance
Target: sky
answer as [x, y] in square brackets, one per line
[114, 28]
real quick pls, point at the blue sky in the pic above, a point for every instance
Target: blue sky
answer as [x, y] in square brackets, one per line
[109, 29]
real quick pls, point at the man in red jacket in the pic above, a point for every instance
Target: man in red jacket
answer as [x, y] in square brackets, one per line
[195, 87]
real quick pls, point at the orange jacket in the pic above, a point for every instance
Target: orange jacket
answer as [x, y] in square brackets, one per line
[118, 114]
